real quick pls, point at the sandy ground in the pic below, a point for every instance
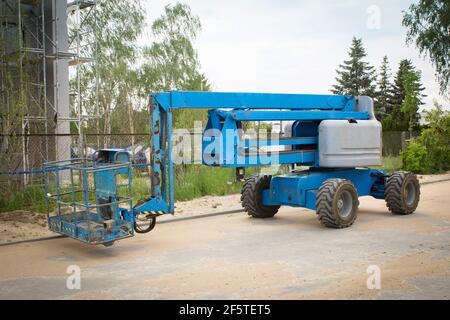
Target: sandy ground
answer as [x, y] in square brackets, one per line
[433, 177]
[21, 225]
[234, 256]
[208, 204]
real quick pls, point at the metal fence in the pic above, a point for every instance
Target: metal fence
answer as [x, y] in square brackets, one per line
[22, 156]
[15, 168]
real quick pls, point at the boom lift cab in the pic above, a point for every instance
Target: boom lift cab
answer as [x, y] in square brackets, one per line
[337, 137]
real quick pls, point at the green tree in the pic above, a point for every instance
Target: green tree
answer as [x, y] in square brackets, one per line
[395, 119]
[411, 103]
[198, 82]
[382, 95]
[428, 24]
[171, 62]
[115, 27]
[355, 76]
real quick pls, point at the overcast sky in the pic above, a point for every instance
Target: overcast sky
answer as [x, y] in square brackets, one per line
[293, 46]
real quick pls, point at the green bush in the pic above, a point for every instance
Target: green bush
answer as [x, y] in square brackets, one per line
[414, 156]
[430, 152]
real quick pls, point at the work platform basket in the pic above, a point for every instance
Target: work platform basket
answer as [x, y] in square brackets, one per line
[90, 200]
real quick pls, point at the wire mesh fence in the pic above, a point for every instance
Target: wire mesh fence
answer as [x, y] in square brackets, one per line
[22, 156]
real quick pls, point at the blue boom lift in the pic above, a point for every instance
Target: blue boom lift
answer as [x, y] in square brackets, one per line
[337, 137]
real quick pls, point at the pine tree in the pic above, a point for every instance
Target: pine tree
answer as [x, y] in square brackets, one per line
[396, 119]
[355, 77]
[382, 97]
[411, 103]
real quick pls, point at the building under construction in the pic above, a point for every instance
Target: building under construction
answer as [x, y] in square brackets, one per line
[43, 44]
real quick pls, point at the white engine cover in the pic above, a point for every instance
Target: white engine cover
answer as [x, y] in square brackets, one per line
[344, 145]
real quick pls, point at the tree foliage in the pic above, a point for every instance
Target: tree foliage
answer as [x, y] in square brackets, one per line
[116, 26]
[124, 73]
[428, 24]
[396, 119]
[382, 94]
[171, 62]
[430, 152]
[411, 103]
[355, 76]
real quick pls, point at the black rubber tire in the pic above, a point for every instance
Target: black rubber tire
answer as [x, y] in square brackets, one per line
[396, 193]
[327, 203]
[137, 228]
[149, 228]
[251, 197]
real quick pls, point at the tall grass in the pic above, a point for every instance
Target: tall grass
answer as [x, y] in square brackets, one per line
[390, 164]
[194, 181]
[31, 198]
[197, 181]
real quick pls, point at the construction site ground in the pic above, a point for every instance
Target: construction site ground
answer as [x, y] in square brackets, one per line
[234, 256]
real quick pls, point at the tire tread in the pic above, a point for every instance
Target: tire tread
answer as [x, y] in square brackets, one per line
[324, 203]
[251, 197]
[393, 193]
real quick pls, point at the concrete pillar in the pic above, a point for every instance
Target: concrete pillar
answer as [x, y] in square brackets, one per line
[57, 69]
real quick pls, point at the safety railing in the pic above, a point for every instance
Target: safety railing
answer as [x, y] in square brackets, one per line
[92, 199]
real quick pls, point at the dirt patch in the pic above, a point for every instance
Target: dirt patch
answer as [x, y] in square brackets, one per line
[24, 217]
[257, 281]
[208, 204]
[395, 276]
[20, 225]
[433, 177]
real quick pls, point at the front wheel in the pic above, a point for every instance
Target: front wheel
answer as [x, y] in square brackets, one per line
[402, 193]
[251, 197]
[337, 203]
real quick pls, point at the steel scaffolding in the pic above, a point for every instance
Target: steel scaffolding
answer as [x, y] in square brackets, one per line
[83, 42]
[41, 78]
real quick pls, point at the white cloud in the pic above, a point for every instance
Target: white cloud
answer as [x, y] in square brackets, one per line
[293, 46]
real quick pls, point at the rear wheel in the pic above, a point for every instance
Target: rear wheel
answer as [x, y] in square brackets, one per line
[337, 203]
[402, 193]
[251, 197]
